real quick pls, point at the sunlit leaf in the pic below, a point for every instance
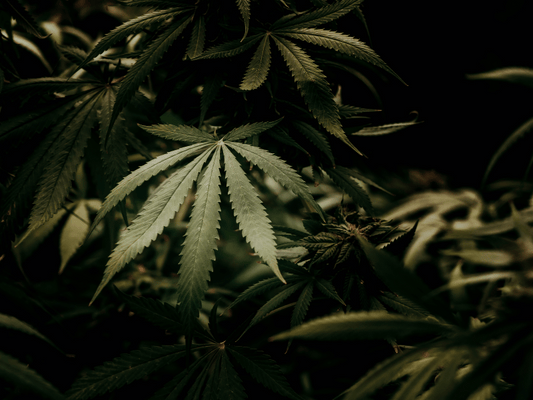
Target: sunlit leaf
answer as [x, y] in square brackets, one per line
[200, 244]
[181, 133]
[245, 131]
[153, 217]
[258, 68]
[250, 213]
[196, 44]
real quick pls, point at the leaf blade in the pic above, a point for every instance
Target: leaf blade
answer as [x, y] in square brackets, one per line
[153, 217]
[257, 70]
[250, 212]
[200, 244]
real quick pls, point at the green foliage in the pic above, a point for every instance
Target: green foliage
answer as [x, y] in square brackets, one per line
[220, 109]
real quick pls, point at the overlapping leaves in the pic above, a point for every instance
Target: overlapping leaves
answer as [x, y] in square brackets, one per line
[49, 170]
[308, 76]
[201, 161]
[214, 374]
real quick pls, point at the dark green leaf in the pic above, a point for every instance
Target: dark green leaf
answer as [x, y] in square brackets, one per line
[257, 289]
[314, 88]
[39, 86]
[230, 49]
[161, 314]
[263, 369]
[210, 90]
[23, 18]
[145, 64]
[316, 137]
[17, 373]
[9, 322]
[131, 27]
[402, 281]
[258, 68]
[403, 305]
[344, 180]
[328, 289]
[398, 246]
[302, 305]
[229, 386]
[124, 370]
[75, 130]
[196, 44]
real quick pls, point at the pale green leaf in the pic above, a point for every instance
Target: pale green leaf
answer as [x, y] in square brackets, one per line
[263, 369]
[314, 88]
[398, 246]
[474, 279]
[258, 68]
[316, 137]
[318, 17]
[230, 49]
[278, 170]
[344, 180]
[197, 41]
[244, 8]
[142, 174]
[181, 133]
[17, 373]
[124, 370]
[245, 131]
[73, 233]
[9, 322]
[365, 325]
[383, 129]
[522, 130]
[519, 75]
[339, 42]
[131, 27]
[250, 212]
[153, 217]
[145, 64]
[75, 130]
[491, 258]
[200, 244]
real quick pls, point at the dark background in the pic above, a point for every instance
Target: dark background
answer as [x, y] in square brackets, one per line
[433, 46]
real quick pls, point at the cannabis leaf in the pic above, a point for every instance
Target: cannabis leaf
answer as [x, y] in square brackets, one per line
[200, 242]
[15, 372]
[308, 76]
[300, 280]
